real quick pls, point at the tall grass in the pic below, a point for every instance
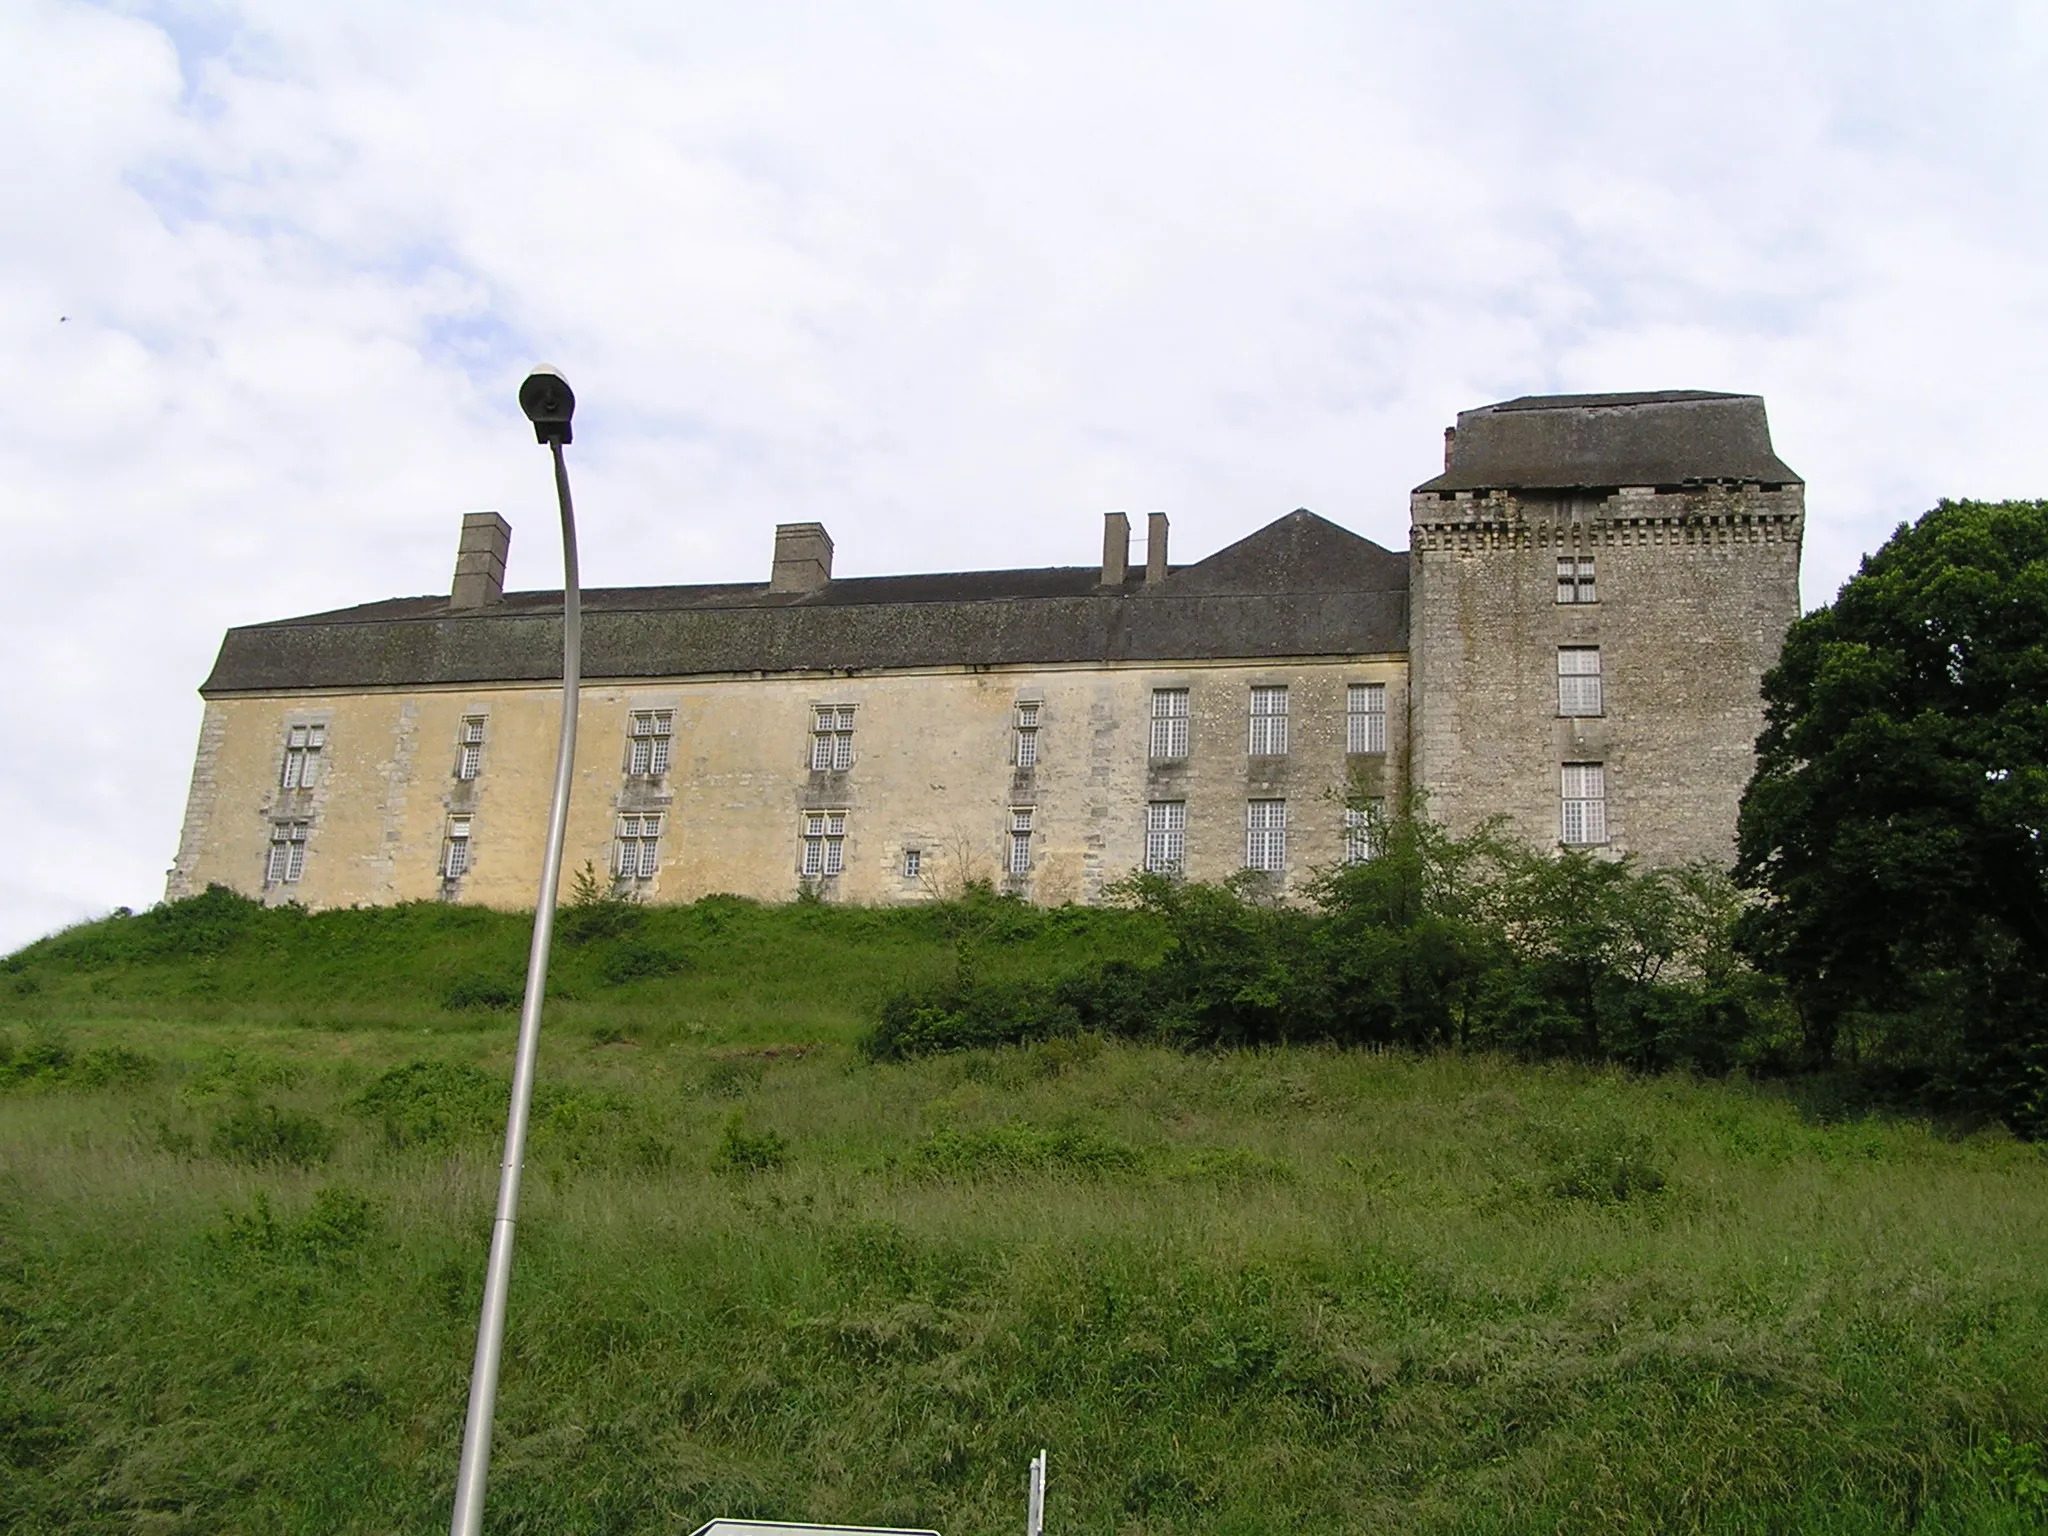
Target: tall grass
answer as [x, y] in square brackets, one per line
[241, 1247]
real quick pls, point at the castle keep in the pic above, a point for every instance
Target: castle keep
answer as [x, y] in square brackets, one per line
[1574, 641]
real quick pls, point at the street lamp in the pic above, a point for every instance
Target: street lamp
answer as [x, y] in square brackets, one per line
[549, 403]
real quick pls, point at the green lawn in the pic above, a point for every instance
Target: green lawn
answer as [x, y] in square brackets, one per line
[246, 1173]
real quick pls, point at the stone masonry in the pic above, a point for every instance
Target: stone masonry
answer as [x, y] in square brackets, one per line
[431, 721]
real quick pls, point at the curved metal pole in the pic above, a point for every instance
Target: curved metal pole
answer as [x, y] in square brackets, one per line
[490, 1332]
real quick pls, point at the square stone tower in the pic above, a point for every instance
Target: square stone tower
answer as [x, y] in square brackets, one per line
[1599, 583]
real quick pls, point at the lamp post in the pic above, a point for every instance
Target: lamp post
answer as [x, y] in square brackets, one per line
[549, 403]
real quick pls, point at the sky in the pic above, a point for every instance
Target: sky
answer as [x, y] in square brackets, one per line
[953, 279]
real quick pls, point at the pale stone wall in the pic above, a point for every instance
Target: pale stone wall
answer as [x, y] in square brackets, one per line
[1696, 589]
[933, 769]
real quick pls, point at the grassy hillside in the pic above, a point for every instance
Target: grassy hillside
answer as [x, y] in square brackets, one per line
[247, 1162]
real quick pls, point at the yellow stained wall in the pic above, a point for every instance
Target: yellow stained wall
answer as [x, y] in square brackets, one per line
[933, 769]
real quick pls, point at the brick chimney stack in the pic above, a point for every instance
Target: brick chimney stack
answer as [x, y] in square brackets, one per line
[803, 558]
[1155, 547]
[1116, 548]
[480, 561]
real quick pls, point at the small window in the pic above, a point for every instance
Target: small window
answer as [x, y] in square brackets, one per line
[650, 733]
[831, 738]
[1265, 835]
[913, 863]
[1365, 718]
[1269, 722]
[1169, 722]
[1575, 579]
[824, 844]
[303, 745]
[287, 853]
[1166, 836]
[1363, 828]
[469, 758]
[1585, 804]
[1578, 680]
[1027, 736]
[639, 847]
[1020, 840]
[455, 853]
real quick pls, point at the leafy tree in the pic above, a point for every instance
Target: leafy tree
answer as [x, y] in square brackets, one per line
[1895, 824]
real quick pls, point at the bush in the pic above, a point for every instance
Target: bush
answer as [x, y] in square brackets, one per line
[1437, 942]
[1013, 1149]
[264, 1134]
[338, 1223]
[744, 1151]
[1604, 1164]
[967, 1015]
[637, 959]
[434, 1104]
[483, 993]
[48, 1061]
[596, 913]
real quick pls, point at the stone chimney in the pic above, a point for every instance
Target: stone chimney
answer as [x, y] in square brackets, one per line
[803, 557]
[1450, 442]
[1155, 546]
[480, 560]
[1116, 548]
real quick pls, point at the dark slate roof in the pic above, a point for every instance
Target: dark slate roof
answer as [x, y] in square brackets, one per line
[1300, 586]
[1568, 442]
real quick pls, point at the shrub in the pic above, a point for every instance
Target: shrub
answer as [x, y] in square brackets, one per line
[1474, 942]
[48, 1061]
[637, 959]
[46, 1058]
[744, 1151]
[483, 993]
[965, 1015]
[264, 1133]
[1014, 1149]
[595, 912]
[1604, 1163]
[339, 1222]
[434, 1103]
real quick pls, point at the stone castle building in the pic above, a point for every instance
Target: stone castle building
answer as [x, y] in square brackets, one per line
[1594, 589]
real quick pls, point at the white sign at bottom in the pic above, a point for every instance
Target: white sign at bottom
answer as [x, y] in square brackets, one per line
[786, 1528]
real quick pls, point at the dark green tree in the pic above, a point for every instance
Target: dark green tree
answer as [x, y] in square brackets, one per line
[1895, 824]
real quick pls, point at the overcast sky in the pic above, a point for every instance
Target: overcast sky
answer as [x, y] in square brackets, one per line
[952, 279]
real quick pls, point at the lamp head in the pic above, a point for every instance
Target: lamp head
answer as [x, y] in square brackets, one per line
[549, 403]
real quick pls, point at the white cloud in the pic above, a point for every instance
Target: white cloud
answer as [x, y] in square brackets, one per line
[954, 279]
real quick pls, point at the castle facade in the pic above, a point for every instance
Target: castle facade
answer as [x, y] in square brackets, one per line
[1574, 641]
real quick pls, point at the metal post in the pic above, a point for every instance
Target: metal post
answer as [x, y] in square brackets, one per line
[1034, 1502]
[551, 425]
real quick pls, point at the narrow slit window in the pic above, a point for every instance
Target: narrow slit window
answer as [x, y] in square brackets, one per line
[651, 731]
[1365, 718]
[1578, 681]
[831, 738]
[1166, 836]
[1269, 722]
[1027, 736]
[1265, 835]
[639, 847]
[1169, 722]
[1585, 805]
[1020, 840]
